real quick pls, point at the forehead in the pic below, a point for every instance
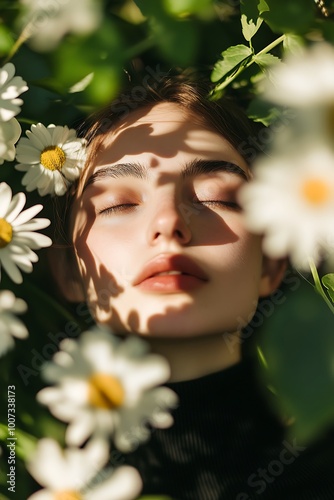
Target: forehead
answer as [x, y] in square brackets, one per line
[158, 134]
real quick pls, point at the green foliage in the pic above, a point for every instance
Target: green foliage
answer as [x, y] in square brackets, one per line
[6, 40]
[250, 16]
[233, 58]
[184, 7]
[284, 16]
[263, 112]
[328, 282]
[298, 345]
[82, 74]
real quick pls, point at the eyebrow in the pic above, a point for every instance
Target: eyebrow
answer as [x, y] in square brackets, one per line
[192, 169]
[198, 167]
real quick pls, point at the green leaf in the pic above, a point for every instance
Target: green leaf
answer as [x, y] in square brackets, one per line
[285, 16]
[298, 345]
[328, 282]
[263, 112]
[101, 53]
[6, 40]
[264, 60]
[249, 28]
[181, 7]
[293, 43]
[233, 57]
[150, 8]
[82, 84]
[262, 6]
[250, 20]
[250, 16]
[176, 39]
[25, 444]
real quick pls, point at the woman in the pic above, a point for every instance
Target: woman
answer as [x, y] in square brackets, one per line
[159, 249]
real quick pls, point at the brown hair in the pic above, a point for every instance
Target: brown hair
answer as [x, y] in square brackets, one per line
[222, 114]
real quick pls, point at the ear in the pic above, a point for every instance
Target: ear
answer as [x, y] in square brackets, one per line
[66, 273]
[273, 271]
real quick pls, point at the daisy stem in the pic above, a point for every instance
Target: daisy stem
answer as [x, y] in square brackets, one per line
[318, 286]
[252, 60]
[23, 37]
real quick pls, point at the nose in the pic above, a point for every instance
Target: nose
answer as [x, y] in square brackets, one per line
[169, 222]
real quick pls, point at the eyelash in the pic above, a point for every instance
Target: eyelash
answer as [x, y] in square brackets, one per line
[231, 205]
[122, 207]
[126, 207]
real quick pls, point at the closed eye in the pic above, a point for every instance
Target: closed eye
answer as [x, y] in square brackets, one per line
[122, 207]
[219, 204]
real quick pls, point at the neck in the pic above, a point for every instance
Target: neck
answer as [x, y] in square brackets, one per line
[190, 358]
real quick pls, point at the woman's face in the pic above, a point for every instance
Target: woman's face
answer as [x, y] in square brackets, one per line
[159, 237]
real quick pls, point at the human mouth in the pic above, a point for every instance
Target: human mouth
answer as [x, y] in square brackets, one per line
[168, 273]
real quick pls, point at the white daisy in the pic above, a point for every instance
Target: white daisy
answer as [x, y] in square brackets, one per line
[291, 201]
[66, 475]
[18, 237]
[305, 79]
[10, 132]
[48, 22]
[108, 386]
[10, 325]
[52, 158]
[10, 88]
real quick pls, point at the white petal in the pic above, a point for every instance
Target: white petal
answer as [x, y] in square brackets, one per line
[151, 371]
[17, 328]
[5, 198]
[42, 495]
[46, 466]
[33, 240]
[80, 429]
[124, 484]
[27, 214]
[15, 206]
[10, 268]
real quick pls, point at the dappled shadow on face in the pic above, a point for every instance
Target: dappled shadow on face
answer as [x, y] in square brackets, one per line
[137, 137]
[163, 130]
[104, 282]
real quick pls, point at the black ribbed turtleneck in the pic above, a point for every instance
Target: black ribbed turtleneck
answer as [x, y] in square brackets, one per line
[226, 444]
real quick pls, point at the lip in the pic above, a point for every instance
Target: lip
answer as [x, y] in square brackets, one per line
[192, 274]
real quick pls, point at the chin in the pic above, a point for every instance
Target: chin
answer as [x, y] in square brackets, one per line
[173, 326]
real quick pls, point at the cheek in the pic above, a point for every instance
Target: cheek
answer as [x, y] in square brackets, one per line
[241, 262]
[109, 252]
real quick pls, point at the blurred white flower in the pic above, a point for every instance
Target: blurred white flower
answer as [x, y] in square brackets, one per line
[52, 157]
[10, 325]
[66, 474]
[291, 201]
[305, 79]
[10, 88]
[18, 237]
[10, 132]
[46, 23]
[106, 386]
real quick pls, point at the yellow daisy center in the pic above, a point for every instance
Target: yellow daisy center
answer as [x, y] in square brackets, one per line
[6, 233]
[315, 191]
[105, 391]
[67, 495]
[53, 158]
